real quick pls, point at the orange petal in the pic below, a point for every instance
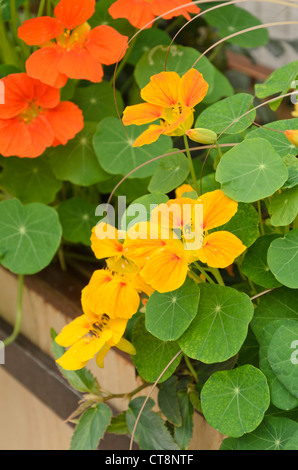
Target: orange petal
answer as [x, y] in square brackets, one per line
[139, 14]
[66, 121]
[151, 135]
[79, 64]
[41, 136]
[38, 31]
[73, 13]
[44, 65]
[104, 241]
[19, 91]
[220, 249]
[193, 88]
[14, 138]
[141, 114]
[162, 7]
[218, 209]
[163, 89]
[106, 45]
[165, 270]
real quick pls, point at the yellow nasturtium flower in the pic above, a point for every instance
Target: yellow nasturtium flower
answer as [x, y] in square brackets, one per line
[171, 99]
[89, 336]
[295, 112]
[292, 136]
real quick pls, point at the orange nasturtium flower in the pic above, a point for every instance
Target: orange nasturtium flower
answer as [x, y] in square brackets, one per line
[68, 47]
[292, 136]
[141, 12]
[33, 118]
[89, 336]
[170, 99]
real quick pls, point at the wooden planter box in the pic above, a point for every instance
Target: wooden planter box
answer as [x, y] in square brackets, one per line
[35, 399]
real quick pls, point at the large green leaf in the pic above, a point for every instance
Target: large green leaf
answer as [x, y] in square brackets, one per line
[168, 401]
[220, 326]
[180, 59]
[151, 432]
[98, 101]
[76, 162]
[225, 115]
[280, 304]
[153, 355]
[280, 396]
[148, 39]
[183, 433]
[170, 174]
[255, 265]
[283, 259]
[274, 133]
[282, 355]
[29, 236]
[283, 207]
[91, 428]
[234, 401]
[169, 315]
[272, 434]
[251, 171]
[232, 19]
[77, 218]
[30, 179]
[115, 153]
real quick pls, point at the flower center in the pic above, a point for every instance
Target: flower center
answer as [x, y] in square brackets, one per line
[76, 38]
[33, 110]
[98, 327]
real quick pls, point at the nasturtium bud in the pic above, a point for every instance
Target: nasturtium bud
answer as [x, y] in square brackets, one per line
[292, 135]
[202, 136]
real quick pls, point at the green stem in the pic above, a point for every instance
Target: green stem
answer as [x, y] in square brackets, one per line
[191, 368]
[218, 149]
[124, 61]
[295, 223]
[19, 316]
[191, 167]
[205, 274]
[41, 8]
[8, 53]
[261, 218]
[13, 16]
[217, 275]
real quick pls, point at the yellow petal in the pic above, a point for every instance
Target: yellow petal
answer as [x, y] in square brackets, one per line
[101, 355]
[142, 113]
[184, 188]
[220, 249]
[81, 352]
[218, 209]
[166, 270]
[73, 331]
[193, 88]
[93, 293]
[104, 241]
[151, 135]
[121, 299]
[163, 89]
[126, 346]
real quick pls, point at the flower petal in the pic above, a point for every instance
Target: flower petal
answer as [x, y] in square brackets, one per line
[66, 121]
[220, 249]
[218, 209]
[73, 13]
[163, 89]
[151, 135]
[79, 64]
[193, 88]
[38, 31]
[162, 7]
[106, 45]
[14, 138]
[139, 14]
[19, 90]
[73, 331]
[104, 241]
[43, 65]
[143, 113]
[121, 298]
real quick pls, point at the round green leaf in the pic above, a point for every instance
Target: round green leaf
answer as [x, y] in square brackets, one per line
[29, 236]
[283, 259]
[147, 40]
[280, 396]
[77, 218]
[291, 163]
[169, 315]
[153, 355]
[251, 171]
[220, 116]
[255, 265]
[283, 207]
[234, 401]
[220, 326]
[76, 162]
[98, 101]
[280, 81]
[244, 224]
[231, 19]
[272, 434]
[170, 174]
[278, 140]
[180, 59]
[280, 304]
[282, 355]
[116, 154]
[30, 179]
[221, 89]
